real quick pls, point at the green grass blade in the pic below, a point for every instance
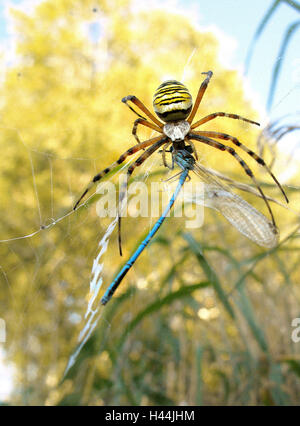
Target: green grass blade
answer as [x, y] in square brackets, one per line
[259, 31]
[199, 390]
[279, 396]
[157, 305]
[209, 272]
[278, 64]
[293, 4]
[246, 309]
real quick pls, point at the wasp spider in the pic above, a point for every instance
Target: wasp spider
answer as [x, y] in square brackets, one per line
[173, 104]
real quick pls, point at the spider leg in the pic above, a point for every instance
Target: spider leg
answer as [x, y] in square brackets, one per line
[146, 123]
[221, 114]
[143, 108]
[252, 154]
[172, 177]
[245, 166]
[163, 153]
[121, 159]
[193, 149]
[200, 95]
[138, 162]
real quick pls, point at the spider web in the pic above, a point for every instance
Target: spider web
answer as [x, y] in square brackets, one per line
[70, 220]
[93, 310]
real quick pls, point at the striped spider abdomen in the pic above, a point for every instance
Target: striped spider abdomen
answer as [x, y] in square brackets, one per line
[172, 101]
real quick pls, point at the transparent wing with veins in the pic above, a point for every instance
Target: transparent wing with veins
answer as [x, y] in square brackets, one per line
[245, 218]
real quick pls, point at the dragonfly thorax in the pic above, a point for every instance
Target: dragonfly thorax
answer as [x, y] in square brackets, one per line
[177, 130]
[184, 159]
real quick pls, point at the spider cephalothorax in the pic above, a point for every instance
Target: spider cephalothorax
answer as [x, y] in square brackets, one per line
[173, 104]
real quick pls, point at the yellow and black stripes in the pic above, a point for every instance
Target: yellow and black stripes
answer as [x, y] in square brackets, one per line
[172, 101]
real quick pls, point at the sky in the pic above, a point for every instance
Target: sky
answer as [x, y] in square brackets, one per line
[239, 19]
[235, 21]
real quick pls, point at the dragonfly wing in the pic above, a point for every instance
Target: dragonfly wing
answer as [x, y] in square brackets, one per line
[238, 185]
[244, 217]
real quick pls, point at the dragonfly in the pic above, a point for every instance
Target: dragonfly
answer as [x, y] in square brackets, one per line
[218, 196]
[174, 107]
